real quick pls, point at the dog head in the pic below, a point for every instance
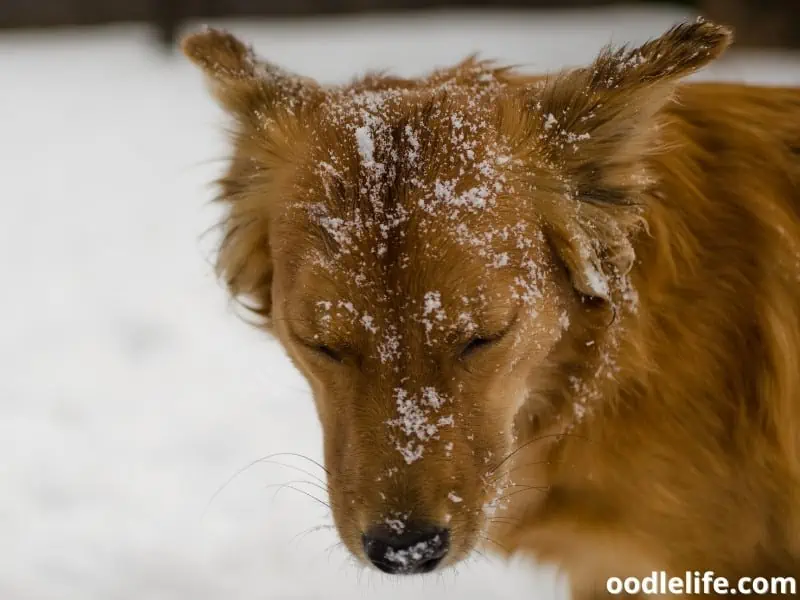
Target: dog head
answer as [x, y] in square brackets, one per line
[428, 252]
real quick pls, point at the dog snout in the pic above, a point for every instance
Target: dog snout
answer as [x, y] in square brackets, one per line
[419, 548]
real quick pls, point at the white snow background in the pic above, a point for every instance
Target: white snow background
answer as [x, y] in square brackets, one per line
[129, 390]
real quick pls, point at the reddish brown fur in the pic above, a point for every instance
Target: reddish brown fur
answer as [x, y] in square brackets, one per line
[660, 220]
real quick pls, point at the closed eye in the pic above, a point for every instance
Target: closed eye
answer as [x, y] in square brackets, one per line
[476, 344]
[327, 352]
[321, 350]
[482, 342]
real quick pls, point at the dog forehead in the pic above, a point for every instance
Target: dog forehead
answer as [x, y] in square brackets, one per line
[402, 169]
[424, 268]
[407, 203]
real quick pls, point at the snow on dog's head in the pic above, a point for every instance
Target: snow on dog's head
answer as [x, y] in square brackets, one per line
[430, 252]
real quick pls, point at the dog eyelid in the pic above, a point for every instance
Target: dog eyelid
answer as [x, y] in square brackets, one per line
[321, 349]
[475, 344]
[482, 339]
[328, 352]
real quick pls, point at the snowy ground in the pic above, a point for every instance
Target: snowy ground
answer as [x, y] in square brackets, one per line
[129, 391]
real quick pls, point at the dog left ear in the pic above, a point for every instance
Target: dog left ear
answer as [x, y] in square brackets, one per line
[596, 126]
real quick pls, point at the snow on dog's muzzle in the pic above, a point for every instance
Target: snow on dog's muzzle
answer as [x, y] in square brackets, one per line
[419, 548]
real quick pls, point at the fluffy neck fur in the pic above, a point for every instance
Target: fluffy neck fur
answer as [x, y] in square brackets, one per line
[689, 444]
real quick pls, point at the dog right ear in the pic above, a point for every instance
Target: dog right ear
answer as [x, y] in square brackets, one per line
[261, 98]
[248, 88]
[244, 256]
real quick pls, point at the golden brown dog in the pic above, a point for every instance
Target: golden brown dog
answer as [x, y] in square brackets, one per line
[558, 313]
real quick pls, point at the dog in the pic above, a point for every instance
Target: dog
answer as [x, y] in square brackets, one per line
[556, 315]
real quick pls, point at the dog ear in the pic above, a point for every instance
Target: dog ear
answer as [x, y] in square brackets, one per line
[247, 87]
[596, 126]
[262, 98]
[244, 256]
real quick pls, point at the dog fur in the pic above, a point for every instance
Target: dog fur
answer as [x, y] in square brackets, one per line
[559, 314]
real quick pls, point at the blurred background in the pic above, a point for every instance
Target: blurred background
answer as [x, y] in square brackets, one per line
[134, 404]
[774, 23]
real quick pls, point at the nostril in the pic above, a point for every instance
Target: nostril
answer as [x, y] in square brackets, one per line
[418, 549]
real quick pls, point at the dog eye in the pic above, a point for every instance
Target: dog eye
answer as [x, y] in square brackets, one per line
[476, 344]
[327, 352]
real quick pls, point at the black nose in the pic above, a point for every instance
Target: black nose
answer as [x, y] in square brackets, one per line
[418, 549]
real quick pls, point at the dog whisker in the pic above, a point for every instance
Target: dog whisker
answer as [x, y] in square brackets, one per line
[304, 457]
[300, 491]
[333, 547]
[296, 482]
[516, 468]
[491, 541]
[531, 488]
[316, 528]
[295, 468]
[479, 554]
[533, 441]
[266, 460]
[505, 520]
